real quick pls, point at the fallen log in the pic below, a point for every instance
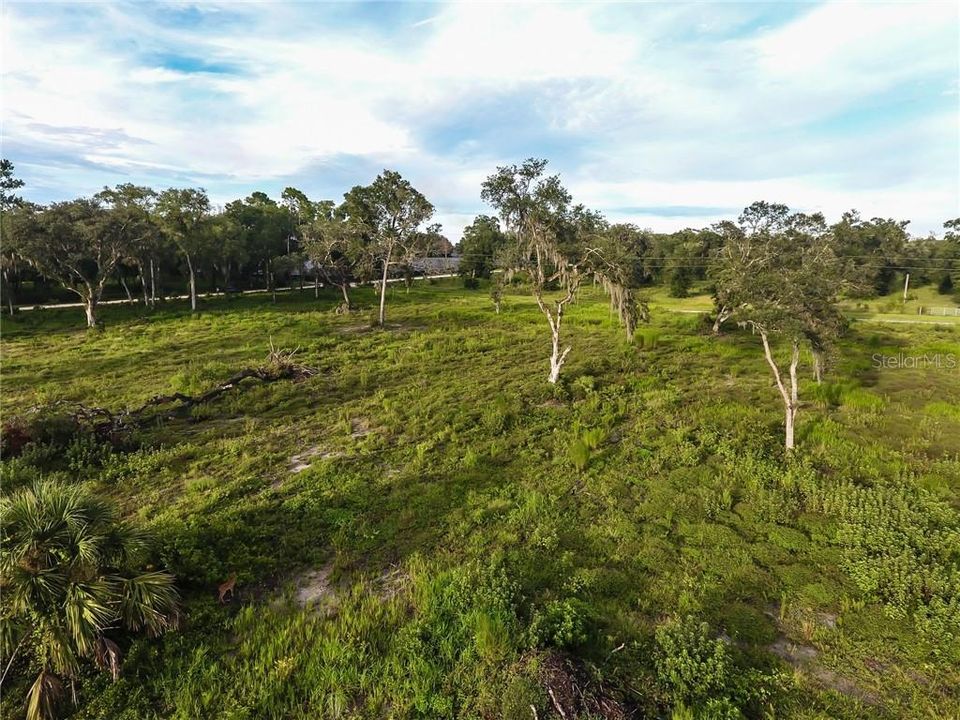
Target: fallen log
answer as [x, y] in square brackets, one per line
[110, 425]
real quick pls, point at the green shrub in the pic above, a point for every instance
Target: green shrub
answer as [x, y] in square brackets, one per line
[560, 623]
[861, 399]
[583, 386]
[829, 394]
[691, 665]
[593, 438]
[579, 454]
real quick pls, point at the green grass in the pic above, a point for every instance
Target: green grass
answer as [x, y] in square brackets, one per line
[893, 306]
[478, 523]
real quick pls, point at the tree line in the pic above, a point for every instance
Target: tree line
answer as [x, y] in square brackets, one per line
[138, 237]
[148, 242]
[882, 249]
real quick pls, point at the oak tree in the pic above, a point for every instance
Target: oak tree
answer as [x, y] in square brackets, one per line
[779, 276]
[389, 212]
[185, 215]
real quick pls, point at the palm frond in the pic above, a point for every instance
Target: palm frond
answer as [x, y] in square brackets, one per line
[57, 649]
[125, 545]
[11, 632]
[34, 590]
[44, 695]
[148, 602]
[107, 656]
[87, 610]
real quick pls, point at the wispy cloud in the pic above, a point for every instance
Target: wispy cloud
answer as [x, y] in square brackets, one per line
[664, 114]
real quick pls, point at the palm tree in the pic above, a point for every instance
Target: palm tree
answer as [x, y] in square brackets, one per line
[68, 577]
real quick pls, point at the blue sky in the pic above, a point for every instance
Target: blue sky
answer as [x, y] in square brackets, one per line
[668, 115]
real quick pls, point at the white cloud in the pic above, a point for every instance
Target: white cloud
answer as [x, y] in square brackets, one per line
[644, 105]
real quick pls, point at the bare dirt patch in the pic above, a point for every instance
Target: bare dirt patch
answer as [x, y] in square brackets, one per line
[827, 620]
[804, 657]
[314, 588]
[793, 653]
[301, 461]
[359, 427]
[391, 582]
[355, 329]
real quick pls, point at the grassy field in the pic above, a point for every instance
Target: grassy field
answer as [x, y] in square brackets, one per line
[426, 528]
[893, 306]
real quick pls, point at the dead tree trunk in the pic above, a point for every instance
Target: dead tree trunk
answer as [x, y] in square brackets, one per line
[107, 424]
[557, 358]
[383, 285]
[818, 363]
[790, 397]
[555, 320]
[153, 285]
[8, 291]
[193, 285]
[271, 285]
[90, 307]
[143, 286]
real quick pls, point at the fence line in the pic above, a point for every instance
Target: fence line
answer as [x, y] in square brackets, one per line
[940, 311]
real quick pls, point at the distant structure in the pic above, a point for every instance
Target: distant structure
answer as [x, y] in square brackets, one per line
[437, 265]
[421, 266]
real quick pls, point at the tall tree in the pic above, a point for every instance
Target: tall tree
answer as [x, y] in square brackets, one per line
[391, 211]
[135, 206]
[185, 214]
[8, 184]
[229, 249]
[780, 276]
[267, 227]
[72, 578]
[336, 246]
[9, 253]
[555, 244]
[440, 245]
[621, 248]
[301, 212]
[79, 244]
[728, 233]
[948, 258]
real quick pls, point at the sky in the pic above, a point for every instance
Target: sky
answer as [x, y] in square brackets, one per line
[667, 115]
